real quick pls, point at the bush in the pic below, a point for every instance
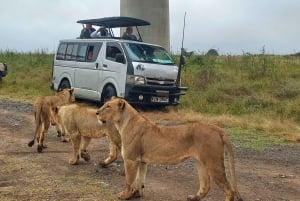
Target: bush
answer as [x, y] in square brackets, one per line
[212, 52]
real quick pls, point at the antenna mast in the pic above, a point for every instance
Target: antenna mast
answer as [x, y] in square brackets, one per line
[182, 59]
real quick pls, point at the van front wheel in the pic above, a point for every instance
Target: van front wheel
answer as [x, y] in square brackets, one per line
[65, 84]
[108, 92]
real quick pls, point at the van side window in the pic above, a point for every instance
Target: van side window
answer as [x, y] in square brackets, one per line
[82, 51]
[78, 51]
[69, 51]
[61, 52]
[92, 51]
[111, 52]
[74, 52]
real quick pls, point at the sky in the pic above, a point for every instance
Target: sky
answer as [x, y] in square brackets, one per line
[232, 27]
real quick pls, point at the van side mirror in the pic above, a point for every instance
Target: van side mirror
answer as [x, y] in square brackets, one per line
[120, 58]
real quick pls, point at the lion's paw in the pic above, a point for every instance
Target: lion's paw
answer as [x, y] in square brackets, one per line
[137, 194]
[85, 155]
[72, 161]
[40, 148]
[63, 139]
[193, 198]
[124, 195]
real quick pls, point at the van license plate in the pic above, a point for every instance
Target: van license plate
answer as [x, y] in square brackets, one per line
[155, 99]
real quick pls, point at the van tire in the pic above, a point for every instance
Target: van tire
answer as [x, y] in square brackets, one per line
[65, 84]
[108, 92]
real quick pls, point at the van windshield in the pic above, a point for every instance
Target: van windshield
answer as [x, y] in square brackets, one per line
[148, 53]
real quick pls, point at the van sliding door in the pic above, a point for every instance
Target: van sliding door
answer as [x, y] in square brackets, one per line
[87, 73]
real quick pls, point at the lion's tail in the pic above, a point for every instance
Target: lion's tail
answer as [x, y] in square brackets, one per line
[37, 119]
[230, 152]
[31, 143]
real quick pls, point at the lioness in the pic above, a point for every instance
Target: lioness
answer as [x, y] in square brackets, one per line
[43, 113]
[144, 142]
[81, 124]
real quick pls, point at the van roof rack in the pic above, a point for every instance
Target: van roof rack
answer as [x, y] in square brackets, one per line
[114, 22]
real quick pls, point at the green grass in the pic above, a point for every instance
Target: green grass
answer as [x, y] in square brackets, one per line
[244, 84]
[252, 139]
[250, 88]
[29, 75]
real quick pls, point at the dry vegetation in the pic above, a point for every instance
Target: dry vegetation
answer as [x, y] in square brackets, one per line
[244, 94]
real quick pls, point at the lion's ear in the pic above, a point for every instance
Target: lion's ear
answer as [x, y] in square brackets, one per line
[121, 104]
[113, 97]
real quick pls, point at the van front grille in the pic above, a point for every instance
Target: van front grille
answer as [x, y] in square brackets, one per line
[160, 82]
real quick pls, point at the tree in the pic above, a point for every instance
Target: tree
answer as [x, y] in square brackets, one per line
[212, 52]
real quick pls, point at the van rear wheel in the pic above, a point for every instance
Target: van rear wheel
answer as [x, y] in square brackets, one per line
[108, 92]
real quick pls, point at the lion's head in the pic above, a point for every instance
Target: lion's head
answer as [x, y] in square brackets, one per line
[111, 111]
[67, 94]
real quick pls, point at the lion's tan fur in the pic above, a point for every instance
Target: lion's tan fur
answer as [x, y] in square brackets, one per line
[43, 113]
[81, 124]
[144, 142]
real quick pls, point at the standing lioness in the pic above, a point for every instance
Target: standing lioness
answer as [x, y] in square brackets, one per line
[144, 142]
[43, 114]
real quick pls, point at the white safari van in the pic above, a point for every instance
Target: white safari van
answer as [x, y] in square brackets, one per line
[100, 68]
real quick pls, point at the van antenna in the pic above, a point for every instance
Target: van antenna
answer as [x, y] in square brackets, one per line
[182, 59]
[183, 32]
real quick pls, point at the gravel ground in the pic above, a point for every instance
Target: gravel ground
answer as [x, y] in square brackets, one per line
[270, 175]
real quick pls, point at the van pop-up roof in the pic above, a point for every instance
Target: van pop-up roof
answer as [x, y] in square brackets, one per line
[114, 22]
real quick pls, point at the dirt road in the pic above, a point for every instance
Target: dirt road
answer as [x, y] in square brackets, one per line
[272, 175]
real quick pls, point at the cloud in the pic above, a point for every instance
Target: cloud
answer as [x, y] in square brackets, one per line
[230, 26]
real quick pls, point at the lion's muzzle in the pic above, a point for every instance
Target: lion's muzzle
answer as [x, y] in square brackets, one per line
[101, 121]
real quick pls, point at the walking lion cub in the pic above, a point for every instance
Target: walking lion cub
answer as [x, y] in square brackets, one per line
[144, 142]
[80, 123]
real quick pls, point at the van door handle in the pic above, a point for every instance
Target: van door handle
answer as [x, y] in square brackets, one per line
[105, 65]
[96, 65]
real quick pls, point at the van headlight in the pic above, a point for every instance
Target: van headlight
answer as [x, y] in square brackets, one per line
[139, 80]
[135, 79]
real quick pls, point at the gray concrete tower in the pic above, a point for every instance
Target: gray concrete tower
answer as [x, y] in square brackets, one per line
[154, 11]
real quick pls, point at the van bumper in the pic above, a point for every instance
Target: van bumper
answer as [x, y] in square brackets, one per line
[155, 95]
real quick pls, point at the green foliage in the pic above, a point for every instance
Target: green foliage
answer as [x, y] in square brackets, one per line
[212, 52]
[252, 139]
[238, 85]
[29, 74]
